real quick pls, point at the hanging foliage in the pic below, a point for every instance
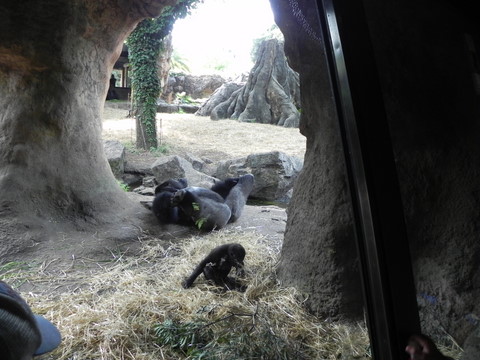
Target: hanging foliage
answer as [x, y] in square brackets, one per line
[145, 46]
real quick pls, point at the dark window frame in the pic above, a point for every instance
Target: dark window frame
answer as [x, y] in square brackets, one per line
[387, 276]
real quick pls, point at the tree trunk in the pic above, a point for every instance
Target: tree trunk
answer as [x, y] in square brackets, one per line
[55, 61]
[271, 94]
[165, 65]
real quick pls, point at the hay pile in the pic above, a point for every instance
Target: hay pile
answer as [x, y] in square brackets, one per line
[136, 309]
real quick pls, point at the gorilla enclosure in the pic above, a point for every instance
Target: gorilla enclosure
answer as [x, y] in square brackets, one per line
[55, 61]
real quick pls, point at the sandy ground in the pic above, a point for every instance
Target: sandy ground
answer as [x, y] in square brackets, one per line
[182, 134]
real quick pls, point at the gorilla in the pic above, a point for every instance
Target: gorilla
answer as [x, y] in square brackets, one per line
[161, 206]
[238, 196]
[223, 187]
[217, 265]
[207, 209]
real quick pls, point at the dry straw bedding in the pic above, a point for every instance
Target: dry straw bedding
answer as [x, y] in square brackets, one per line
[109, 311]
[113, 315]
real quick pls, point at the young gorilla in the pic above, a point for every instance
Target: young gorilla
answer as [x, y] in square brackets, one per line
[217, 265]
[162, 203]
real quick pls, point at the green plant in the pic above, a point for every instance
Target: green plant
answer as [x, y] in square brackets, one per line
[196, 206]
[186, 338]
[14, 272]
[183, 98]
[145, 45]
[199, 223]
[160, 149]
[124, 186]
[234, 336]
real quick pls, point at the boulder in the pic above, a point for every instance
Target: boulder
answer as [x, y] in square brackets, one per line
[196, 162]
[202, 86]
[149, 181]
[174, 167]
[275, 173]
[222, 94]
[164, 107]
[145, 190]
[189, 108]
[195, 86]
[132, 180]
[115, 153]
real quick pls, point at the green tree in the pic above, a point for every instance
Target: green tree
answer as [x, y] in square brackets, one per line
[145, 46]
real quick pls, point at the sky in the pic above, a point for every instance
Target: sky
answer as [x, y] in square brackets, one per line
[221, 32]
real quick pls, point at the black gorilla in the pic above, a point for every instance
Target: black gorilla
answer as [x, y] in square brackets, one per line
[217, 265]
[238, 196]
[207, 209]
[162, 203]
[223, 187]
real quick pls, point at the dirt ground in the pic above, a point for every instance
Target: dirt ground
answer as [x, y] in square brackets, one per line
[199, 136]
[66, 249]
[182, 134]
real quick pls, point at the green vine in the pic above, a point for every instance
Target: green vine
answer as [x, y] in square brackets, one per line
[145, 46]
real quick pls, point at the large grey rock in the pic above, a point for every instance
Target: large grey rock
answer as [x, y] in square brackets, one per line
[202, 86]
[115, 153]
[220, 95]
[275, 173]
[196, 162]
[174, 167]
[195, 86]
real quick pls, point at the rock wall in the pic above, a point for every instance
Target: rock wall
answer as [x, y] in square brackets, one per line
[318, 248]
[428, 69]
[56, 58]
[195, 86]
[429, 88]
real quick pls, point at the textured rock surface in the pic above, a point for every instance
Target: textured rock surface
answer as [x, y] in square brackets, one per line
[175, 167]
[220, 95]
[115, 153]
[55, 63]
[275, 173]
[435, 132]
[270, 95]
[318, 252]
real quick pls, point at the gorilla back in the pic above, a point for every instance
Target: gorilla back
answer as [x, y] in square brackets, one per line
[204, 207]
